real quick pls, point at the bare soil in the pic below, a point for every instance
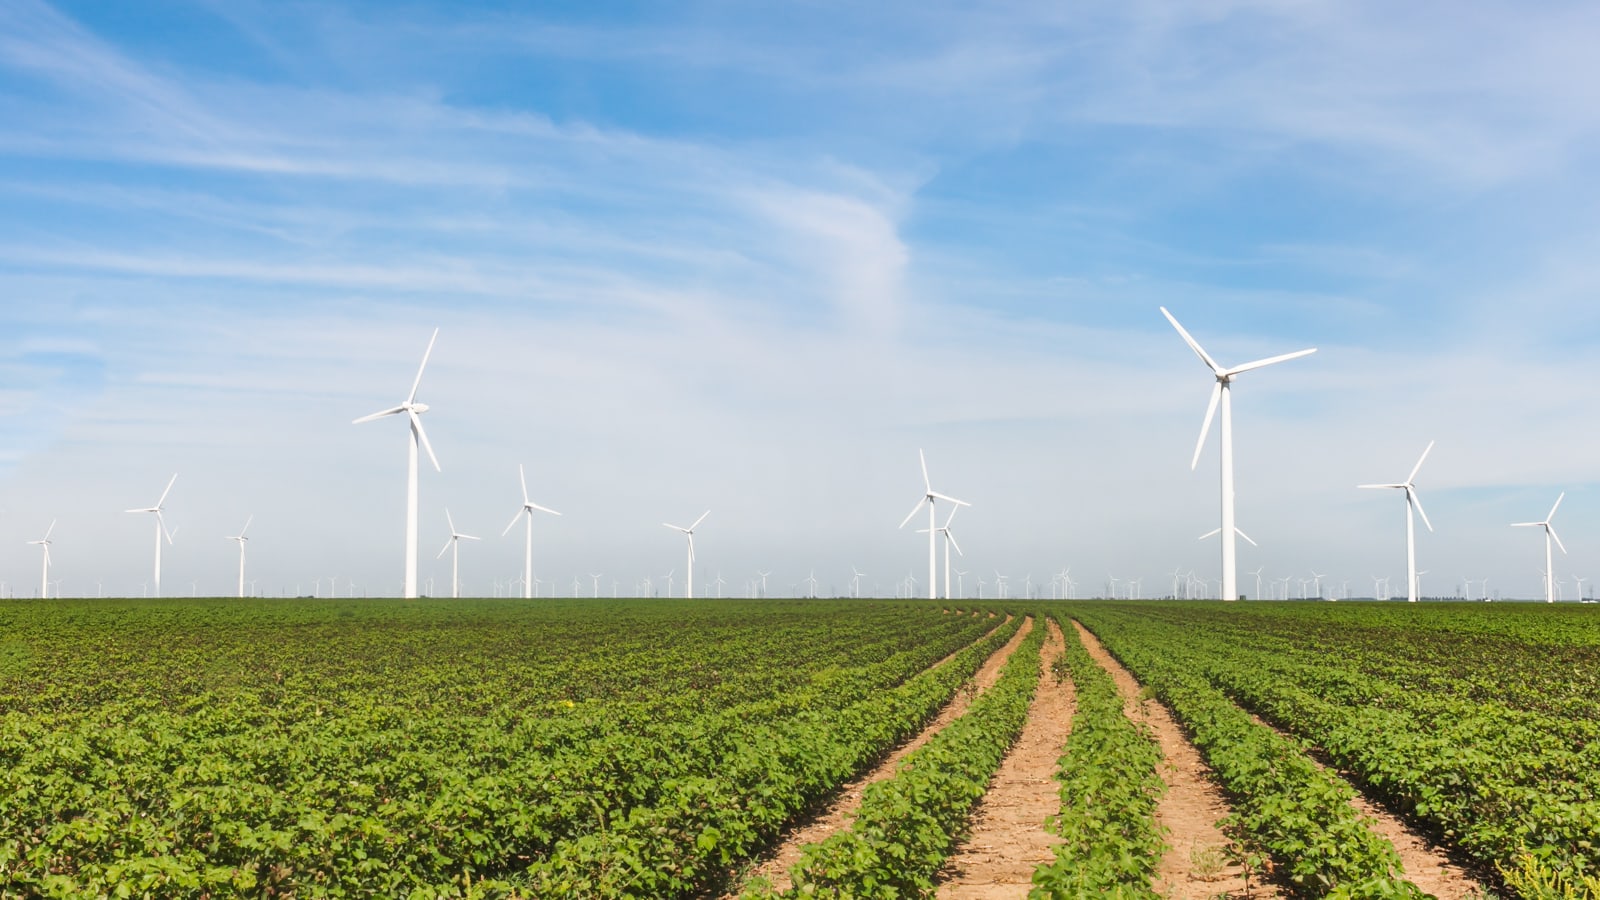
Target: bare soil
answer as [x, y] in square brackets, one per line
[1195, 865]
[841, 810]
[1008, 839]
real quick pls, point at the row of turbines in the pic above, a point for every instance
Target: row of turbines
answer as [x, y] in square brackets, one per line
[1227, 531]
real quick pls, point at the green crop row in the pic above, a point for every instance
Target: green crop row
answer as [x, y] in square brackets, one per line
[343, 749]
[771, 775]
[907, 825]
[1283, 804]
[1508, 787]
[1110, 843]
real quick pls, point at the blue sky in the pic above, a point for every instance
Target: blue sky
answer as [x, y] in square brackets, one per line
[752, 257]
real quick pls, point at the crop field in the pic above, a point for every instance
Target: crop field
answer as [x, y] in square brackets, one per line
[657, 748]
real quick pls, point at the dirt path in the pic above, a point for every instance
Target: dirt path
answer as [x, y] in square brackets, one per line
[1194, 865]
[1426, 865]
[1008, 839]
[842, 809]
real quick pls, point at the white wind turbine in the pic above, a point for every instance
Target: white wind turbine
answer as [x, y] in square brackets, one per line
[855, 583]
[161, 528]
[453, 543]
[413, 411]
[44, 579]
[241, 539]
[528, 507]
[1549, 557]
[1413, 502]
[688, 589]
[928, 497]
[949, 542]
[1222, 394]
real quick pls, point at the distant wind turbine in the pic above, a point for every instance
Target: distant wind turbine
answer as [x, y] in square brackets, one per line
[44, 578]
[928, 497]
[161, 528]
[1221, 394]
[528, 507]
[241, 539]
[413, 411]
[1413, 502]
[1549, 557]
[453, 544]
[688, 589]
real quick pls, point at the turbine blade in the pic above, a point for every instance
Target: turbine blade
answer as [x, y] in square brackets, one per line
[1525, 524]
[451, 522]
[162, 524]
[247, 522]
[531, 505]
[690, 536]
[1380, 485]
[447, 543]
[1413, 476]
[422, 438]
[425, 354]
[926, 482]
[392, 411]
[1193, 344]
[1205, 427]
[914, 511]
[950, 536]
[1416, 500]
[1552, 514]
[513, 522]
[50, 530]
[468, 537]
[1212, 533]
[949, 498]
[699, 520]
[1269, 361]
[523, 477]
[167, 491]
[1240, 533]
[1547, 527]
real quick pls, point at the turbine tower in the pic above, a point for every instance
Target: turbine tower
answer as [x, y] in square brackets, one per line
[454, 544]
[1413, 502]
[44, 578]
[688, 588]
[1549, 558]
[1222, 394]
[413, 411]
[528, 506]
[161, 529]
[928, 497]
[241, 539]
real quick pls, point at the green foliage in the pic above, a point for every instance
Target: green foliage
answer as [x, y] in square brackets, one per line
[907, 825]
[1283, 804]
[1109, 789]
[436, 748]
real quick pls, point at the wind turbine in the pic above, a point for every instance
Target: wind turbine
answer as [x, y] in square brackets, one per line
[241, 539]
[44, 579]
[855, 582]
[161, 528]
[1549, 535]
[763, 583]
[1316, 580]
[453, 544]
[413, 411]
[596, 584]
[528, 506]
[1257, 574]
[1222, 394]
[1413, 502]
[688, 589]
[949, 541]
[928, 497]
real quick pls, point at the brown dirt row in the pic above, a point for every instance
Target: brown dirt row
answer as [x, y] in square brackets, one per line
[1195, 865]
[841, 810]
[1008, 839]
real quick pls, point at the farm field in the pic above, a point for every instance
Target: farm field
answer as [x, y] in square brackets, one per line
[656, 748]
